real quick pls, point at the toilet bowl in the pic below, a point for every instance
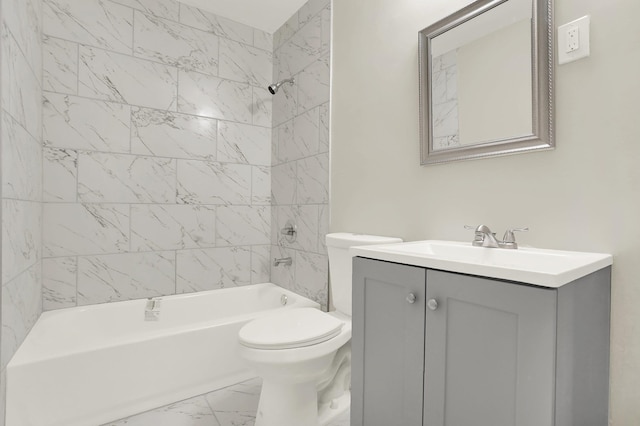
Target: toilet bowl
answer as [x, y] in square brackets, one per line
[304, 355]
[291, 374]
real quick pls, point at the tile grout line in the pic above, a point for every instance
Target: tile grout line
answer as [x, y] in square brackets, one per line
[164, 250]
[24, 56]
[88, 152]
[108, 101]
[77, 70]
[176, 66]
[191, 27]
[175, 271]
[42, 154]
[133, 31]
[77, 273]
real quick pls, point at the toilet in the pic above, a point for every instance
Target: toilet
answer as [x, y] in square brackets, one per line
[304, 355]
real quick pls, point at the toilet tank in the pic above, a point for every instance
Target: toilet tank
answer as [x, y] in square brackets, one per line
[340, 264]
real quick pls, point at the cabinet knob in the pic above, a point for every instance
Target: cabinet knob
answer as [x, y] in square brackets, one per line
[432, 304]
[411, 298]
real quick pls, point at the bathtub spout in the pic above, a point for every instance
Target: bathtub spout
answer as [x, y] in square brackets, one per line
[152, 309]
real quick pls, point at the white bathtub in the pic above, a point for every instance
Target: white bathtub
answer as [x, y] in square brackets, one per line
[89, 365]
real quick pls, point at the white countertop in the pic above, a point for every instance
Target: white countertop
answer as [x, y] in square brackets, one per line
[546, 268]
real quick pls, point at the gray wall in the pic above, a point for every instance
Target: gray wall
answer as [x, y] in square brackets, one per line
[21, 153]
[300, 172]
[584, 195]
[157, 135]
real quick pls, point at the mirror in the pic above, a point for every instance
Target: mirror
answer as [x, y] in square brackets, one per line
[486, 81]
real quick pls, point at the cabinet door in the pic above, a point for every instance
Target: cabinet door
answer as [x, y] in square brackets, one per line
[387, 344]
[490, 352]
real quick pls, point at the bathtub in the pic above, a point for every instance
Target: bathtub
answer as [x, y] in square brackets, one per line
[89, 365]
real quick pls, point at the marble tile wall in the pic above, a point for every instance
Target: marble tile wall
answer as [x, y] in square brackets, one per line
[142, 155]
[21, 175]
[300, 158]
[157, 151]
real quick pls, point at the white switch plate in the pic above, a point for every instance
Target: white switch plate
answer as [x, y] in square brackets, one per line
[573, 40]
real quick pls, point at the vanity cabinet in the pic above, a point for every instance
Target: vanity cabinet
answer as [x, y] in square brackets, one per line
[436, 348]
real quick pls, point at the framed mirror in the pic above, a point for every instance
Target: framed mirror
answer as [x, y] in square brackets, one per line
[486, 81]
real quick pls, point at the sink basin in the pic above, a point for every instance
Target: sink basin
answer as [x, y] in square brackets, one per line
[548, 268]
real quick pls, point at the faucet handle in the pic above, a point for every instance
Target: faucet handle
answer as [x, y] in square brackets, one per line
[477, 239]
[509, 237]
[509, 240]
[472, 228]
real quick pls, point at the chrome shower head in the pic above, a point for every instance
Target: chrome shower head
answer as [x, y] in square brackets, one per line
[273, 88]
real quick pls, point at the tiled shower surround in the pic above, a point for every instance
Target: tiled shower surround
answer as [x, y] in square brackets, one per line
[157, 135]
[300, 173]
[142, 154]
[158, 151]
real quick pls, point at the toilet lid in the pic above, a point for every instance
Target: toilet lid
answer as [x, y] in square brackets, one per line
[293, 328]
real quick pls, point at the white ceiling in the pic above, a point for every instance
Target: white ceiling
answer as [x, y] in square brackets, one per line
[267, 15]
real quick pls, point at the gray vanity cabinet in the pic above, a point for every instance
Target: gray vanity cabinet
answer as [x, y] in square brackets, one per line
[481, 352]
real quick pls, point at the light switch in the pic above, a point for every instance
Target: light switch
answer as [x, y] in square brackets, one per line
[573, 40]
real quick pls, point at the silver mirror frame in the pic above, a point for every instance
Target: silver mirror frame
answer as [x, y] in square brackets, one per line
[542, 62]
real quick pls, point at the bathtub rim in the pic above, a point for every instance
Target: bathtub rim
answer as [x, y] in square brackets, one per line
[23, 357]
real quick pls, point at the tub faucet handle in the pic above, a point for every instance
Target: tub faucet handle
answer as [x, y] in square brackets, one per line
[290, 231]
[288, 261]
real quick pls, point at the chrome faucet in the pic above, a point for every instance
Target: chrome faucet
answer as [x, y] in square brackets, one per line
[485, 238]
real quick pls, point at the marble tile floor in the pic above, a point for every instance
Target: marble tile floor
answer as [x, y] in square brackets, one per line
[235, 405]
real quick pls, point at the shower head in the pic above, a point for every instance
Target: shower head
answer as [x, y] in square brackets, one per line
[273, 88]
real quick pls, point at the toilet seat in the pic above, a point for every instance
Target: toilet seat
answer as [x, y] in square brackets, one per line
[294, 328]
